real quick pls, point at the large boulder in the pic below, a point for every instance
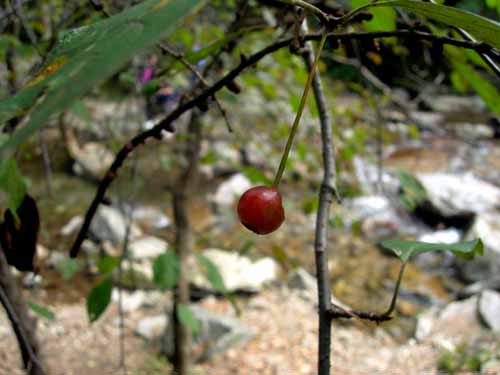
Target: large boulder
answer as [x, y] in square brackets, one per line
[453, 194]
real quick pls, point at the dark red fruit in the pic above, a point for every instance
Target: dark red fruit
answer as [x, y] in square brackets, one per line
[260, 209]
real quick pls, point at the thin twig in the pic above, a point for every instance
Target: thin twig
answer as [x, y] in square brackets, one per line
[323, 17]
[15, 320]
[337, 312]
[128, 212]
[180, 57]
[167, 122]
[46, 162]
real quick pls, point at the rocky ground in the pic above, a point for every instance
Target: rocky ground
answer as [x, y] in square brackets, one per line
[447, 318]
[279, 336]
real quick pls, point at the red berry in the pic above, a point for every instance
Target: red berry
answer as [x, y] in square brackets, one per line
[260, 209]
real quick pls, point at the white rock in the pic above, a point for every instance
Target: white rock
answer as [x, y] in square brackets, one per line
[451, 325]
[92, 160]
[148, 247]
[455, 104]
[459, 194]
[374, 206]
[32, 280]
[447, 236]
[131, 301]
[151, 217]
[72, 225]
[153, 327]
[367, 176]
[109, 224]
[238, 272]
[486, 226]
[230, 190]
[489, 309]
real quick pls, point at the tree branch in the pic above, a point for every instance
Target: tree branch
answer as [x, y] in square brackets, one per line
[246, 62]
[22, 324]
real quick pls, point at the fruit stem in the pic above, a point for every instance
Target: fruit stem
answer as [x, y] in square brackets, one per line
[302, 104]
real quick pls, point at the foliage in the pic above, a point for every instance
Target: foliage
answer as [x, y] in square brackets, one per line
[99, 299]
[464, 358]
[187, 318]
[412, 191]
[406, 249]
[166, 270]
[12, 183]
[42, 311]
[86, 56]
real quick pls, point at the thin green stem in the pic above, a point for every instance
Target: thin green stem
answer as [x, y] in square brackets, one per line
[305, 5]
[396, 291]
[296, 122]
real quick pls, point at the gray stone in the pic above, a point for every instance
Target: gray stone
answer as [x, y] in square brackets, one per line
[92, 160]
[152, 327]
[72, 225]
[32, 280]
[131, 301]
[148, 247]
[302, 280]
[489, 309]
[455, 104]
[238, 272]
[473, 131]
[230, 190]
[429, 120]
[367, 176]
[491, 367]
[109, 224]
[453, 194]
[449, 326]
[486, 226]
[217, 334]
[150, 217]
[450, 235]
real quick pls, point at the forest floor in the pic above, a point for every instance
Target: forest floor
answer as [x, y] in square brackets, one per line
[285, 343]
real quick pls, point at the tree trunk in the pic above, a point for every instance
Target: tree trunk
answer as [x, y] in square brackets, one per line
[23, 325]
[183, 240]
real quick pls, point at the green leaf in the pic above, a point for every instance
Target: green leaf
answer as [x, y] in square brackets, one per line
[42, 311]
[68, 267]
[406, 249]
[99, 299]
[187, 318]
[482, 28]
[486, 90]
[166, 270]
[383, 19]
[413, 193]
[256, 176]
[213, 274]
[12, 182]
[85, 56]
[107, 263]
